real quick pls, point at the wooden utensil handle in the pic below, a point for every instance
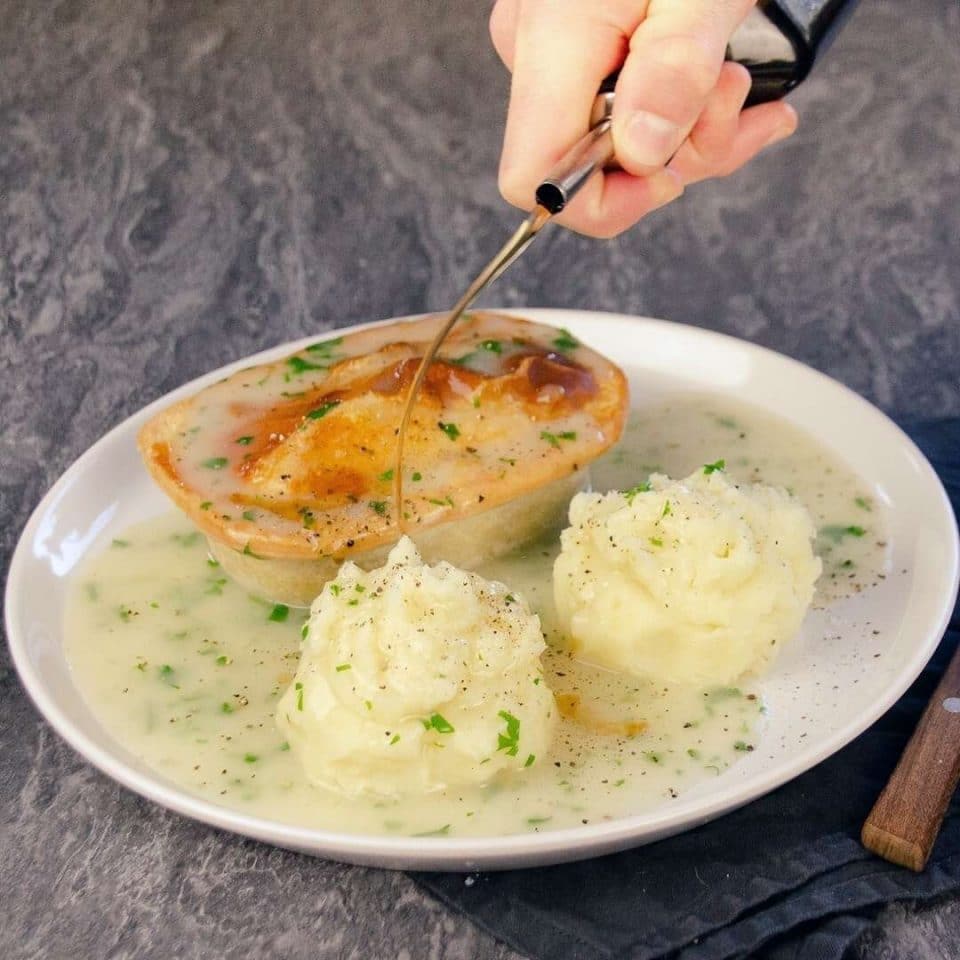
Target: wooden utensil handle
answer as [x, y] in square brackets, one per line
[906, 818]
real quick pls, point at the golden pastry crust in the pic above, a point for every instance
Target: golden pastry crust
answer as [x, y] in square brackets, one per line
[293, 459]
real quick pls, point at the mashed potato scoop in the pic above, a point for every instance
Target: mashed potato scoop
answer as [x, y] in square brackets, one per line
[692, 581]
[414, 678]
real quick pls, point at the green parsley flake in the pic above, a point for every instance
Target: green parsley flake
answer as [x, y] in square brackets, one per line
[226, 708]
[837, 532]
[530, 760]
[395, 739]
[169, 676]
[438, 723]
[863, 503]
[656, 541]
[215, 463]
[509, 741]
[417, 476]
[450, 429]
[378, 506]
[743, 746]
[223, 661]
[493, 346]
[718, 465]
[250, 758]
[342, 666]
[323, 409]
[117, 542]
[279, 613]
[335, 589]
[249, 515]
[244, 441]
[325, 347]
[298, 365]
[666, 510]
[439, 832]
[533, 821]
[206, 505]
[247, 552]
[299, 688]
[554, 438]
[633, 491]
[386, 475]
[566, 341]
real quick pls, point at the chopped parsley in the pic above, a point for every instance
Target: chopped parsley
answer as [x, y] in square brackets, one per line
[279, 613]
[566, 341]
[533, 821]
[117, 542]
[743, 746]
[837, 532]
[417, 476]
[378, 506]
[666, 510]
[223, 660]
[656, 541]
[439, 832]
[342, 666]
[394, 739]
[169, 676]
[250, 758]
[226, 707]
[247, 552]
[323, 409]
[633, 491]
[446, 502]
[863, 503]
[215, 463]
[717, 465]
[206, 505]
[335, 589]
[244, 441]
[299, 688]
[249, 515]
[325, 347]
[438, 723]
[493, 346]
[298, 365]
[450, 429]
[386, 475]
[530, 760]
[554, 438]
[509, 741]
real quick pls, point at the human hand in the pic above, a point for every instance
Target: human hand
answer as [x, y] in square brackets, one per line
[675, 98]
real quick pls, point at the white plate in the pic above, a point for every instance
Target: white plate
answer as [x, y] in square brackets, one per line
[821, 693]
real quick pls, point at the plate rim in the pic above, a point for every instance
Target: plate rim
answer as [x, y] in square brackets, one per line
[505, 851]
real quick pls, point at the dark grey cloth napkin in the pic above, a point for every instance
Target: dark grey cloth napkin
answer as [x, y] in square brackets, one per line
[783, 878]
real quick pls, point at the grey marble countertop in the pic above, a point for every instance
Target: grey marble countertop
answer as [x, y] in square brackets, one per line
[183, 184]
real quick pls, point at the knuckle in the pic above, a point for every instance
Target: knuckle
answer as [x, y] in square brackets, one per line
[689, 62]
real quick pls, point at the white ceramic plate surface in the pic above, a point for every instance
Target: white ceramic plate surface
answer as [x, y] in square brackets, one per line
[821, 693]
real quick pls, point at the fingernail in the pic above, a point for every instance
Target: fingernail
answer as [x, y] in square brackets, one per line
[650, 139]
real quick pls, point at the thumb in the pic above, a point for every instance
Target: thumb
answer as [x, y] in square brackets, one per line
[673, 64]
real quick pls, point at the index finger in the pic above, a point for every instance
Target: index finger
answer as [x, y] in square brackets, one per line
[561, 54]
[674, 62]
